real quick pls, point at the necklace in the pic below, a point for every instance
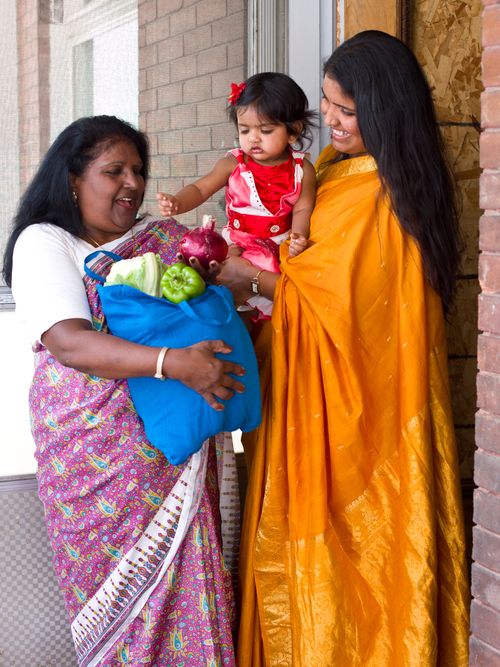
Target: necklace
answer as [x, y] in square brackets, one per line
[96, 244]
[92, 241]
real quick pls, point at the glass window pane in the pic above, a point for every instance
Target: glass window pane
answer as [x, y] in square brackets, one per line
[83, 79]
[116, 78]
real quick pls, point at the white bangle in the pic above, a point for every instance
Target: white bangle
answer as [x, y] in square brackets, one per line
[159, 364]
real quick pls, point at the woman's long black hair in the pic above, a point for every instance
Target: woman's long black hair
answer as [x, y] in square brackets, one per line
[398, 125]
[279, 99]
[48, 196]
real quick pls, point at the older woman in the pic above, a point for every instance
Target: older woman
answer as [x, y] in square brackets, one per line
[137, 541]
[353, 547]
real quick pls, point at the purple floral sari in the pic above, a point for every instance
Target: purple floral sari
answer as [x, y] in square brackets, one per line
[137, 542]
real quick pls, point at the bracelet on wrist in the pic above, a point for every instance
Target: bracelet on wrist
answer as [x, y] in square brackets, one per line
[255, 284]
[159, 364]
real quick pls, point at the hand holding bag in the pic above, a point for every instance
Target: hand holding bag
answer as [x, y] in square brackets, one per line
[177, 420]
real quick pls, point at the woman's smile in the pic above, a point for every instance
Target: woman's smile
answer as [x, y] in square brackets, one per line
[126, 202]
[339, 134]
[339, 111]
[110, 191]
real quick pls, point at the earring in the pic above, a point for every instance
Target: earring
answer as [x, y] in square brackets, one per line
[74, 197]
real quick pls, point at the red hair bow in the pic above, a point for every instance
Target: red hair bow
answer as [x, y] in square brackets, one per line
[236, 90]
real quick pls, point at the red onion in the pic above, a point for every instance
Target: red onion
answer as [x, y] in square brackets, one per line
[204, 243]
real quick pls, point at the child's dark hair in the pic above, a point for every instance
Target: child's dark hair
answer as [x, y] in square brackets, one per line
[278, 98]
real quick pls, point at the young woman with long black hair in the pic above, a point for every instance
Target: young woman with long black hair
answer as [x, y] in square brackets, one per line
[353, 545]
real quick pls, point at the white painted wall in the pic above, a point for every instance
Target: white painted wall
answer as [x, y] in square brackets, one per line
[16, 363]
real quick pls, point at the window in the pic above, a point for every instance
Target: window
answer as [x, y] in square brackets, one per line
[83, 79]
[314, 25]
[278, 32]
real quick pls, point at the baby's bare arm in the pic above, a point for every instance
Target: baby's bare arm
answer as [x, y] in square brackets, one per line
[195, 194]
[302, 211]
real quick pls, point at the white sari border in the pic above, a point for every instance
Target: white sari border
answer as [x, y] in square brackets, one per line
[123, 595]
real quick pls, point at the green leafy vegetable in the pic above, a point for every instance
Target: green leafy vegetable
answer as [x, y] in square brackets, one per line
[143, 272]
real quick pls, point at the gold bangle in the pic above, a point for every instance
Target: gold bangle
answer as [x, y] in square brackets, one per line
[159, 364]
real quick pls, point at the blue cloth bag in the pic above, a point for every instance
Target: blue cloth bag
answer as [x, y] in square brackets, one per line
[177, 420]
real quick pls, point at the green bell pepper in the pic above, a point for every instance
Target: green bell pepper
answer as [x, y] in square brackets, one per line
[180, 282]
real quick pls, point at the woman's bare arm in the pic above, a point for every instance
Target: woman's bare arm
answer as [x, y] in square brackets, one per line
[195, 194]
[236, 274]
[76, 345]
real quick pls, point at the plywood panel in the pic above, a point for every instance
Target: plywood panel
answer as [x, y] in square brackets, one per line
[370, 15]
[463, 373]
[447, 43]
[461, 327]
[466, 448]
[462, 144]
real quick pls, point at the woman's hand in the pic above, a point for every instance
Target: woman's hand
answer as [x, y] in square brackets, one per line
[209, 275]
[198, 368]
[236, 274]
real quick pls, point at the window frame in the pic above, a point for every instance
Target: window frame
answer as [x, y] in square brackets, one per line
[7, 303]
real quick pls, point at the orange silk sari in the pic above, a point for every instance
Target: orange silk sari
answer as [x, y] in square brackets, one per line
[352, 543]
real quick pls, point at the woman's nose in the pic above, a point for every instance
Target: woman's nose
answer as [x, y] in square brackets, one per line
[330, 116]
[131, 180]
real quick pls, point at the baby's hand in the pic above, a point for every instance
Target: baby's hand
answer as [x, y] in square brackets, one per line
[298, 243]
[168, 204]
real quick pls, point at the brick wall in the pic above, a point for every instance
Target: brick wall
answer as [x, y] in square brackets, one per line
[485, 610]
[189, 52]
[33, 51]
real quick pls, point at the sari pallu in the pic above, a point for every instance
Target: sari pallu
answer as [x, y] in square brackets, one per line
[137, 542]
[352, 542]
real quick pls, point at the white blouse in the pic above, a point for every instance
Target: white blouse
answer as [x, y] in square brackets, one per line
[47, 276]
